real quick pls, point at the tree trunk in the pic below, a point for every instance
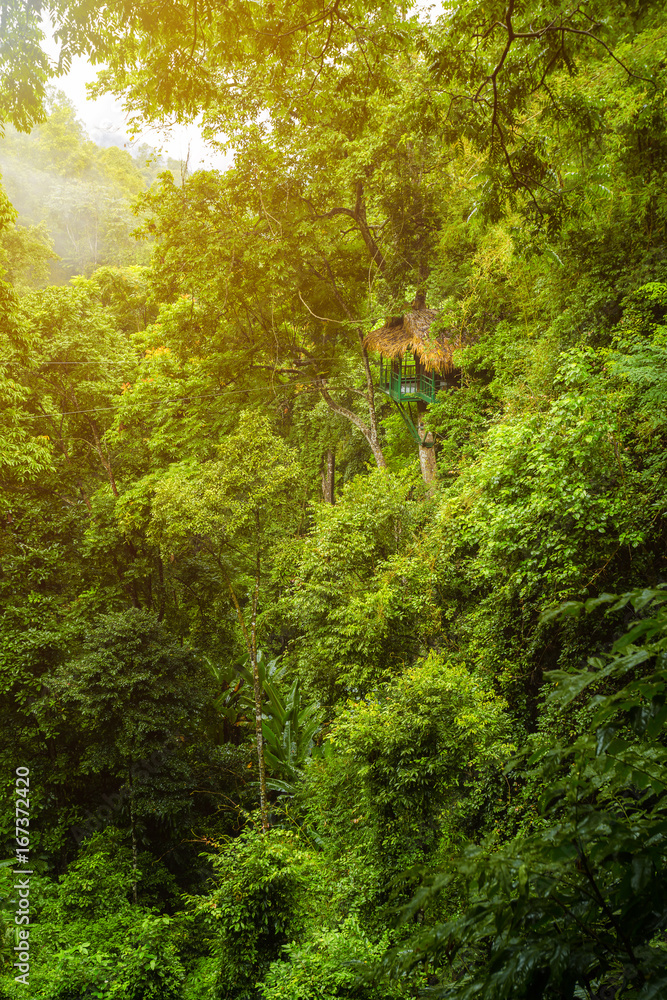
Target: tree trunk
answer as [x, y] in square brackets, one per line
[427, 462]
[251, 645]
[370, 433]
[257, 690]
[370, 396]
[105, 460]
[133, 830]
[328, 477]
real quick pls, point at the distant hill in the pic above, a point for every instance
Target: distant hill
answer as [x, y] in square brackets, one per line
[74, 196]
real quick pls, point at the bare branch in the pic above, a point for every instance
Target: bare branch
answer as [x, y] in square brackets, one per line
[322, 319]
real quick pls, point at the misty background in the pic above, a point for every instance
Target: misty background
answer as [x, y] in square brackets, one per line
[74, 181]
[74, 198]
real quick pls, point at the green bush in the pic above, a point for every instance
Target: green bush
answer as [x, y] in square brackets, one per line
[90, 941]
[397, 770]
[575, 906]
[328, 966]
[262, 883]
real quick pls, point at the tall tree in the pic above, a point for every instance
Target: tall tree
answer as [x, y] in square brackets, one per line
[232, 509]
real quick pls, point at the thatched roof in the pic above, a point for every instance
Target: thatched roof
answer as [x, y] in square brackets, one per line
[412, 332]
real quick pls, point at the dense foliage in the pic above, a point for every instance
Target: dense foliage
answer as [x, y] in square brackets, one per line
[300, 724]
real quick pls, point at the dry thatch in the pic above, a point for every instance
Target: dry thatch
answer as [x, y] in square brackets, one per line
[412, 332]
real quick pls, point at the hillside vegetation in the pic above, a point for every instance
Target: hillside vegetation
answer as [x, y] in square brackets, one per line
[73, 199]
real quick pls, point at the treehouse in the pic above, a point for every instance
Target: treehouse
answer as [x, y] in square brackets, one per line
[414, 363]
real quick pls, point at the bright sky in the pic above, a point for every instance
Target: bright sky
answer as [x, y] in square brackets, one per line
[105, 119]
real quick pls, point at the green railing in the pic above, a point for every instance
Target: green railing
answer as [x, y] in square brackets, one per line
[404, 382]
